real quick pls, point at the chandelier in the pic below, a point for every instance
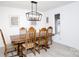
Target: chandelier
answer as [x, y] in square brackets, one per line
[33, 15]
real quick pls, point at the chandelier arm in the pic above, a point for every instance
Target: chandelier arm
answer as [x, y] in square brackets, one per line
[36, 9]
[32, 8]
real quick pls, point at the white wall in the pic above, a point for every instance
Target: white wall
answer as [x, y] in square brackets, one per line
[8, 30]
[69, 19]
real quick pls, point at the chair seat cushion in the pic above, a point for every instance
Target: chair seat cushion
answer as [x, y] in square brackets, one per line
[42, 42]
[11, 48]
[28, 45]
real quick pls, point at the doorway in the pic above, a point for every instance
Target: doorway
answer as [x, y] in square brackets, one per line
[57, 23]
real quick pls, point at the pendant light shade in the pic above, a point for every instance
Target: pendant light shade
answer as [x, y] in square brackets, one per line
[33, 15]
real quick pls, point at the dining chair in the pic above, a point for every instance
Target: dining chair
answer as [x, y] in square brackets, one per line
[23, 32]
[7, 49]
[42, 41]
[30, 40]
[50, 31]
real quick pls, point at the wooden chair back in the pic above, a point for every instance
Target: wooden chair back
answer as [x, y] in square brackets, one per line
[5, 45]
[43, 32]
[32, 34]
[43, 36]
[23, 33]
[50, 29]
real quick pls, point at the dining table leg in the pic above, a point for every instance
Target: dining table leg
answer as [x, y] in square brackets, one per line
[19, 52]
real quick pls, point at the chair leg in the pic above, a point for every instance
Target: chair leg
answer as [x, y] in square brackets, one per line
[51, 40]
[33, 50]
[45, 48]
[39, 49]
[12, 53]
[25, 53]
[5, 54]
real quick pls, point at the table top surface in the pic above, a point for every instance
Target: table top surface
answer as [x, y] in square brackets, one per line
[17, 39]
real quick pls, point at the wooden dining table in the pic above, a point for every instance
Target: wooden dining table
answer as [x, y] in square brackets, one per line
[16, 40]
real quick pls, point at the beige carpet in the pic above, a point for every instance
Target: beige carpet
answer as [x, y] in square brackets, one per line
[56, 50]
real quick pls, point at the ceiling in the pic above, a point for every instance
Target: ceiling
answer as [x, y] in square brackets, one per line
[42, 5]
